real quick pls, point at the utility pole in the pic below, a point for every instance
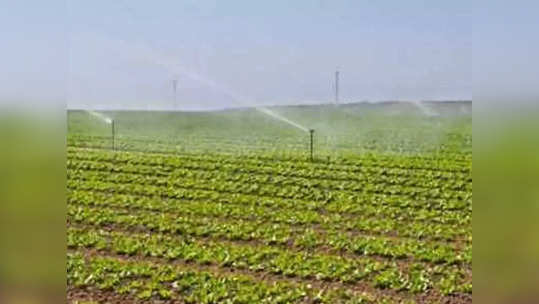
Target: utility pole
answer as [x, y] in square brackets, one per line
[174, 88]
[337, 86]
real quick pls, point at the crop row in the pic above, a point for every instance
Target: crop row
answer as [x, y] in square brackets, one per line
[168, 163]
[283, 151]
[198, 142]
[220, 183]
[353, 182]
[271, 234]
[369, 204]
[145, 280]
[346, 142]
[367, 163]
[349, 162]
[279, 150]
[413, 278]
[443, 152]
[328, 222]
[366, 205]
[303, 186]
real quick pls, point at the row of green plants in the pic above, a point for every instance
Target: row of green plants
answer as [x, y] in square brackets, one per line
[368, 205]
[273, 147]
[355, 166]
[354, 182]
[271, 234]
[282, 152]
[217, 181]
[327, 222]
[456, 143]
[417, 229]
[148, 281]
[415, 278]
[198, 142]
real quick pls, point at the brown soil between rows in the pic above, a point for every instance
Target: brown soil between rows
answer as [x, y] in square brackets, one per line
[94, 296]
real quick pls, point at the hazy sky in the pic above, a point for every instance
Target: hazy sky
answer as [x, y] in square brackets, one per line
[125, 53]
[33, 50]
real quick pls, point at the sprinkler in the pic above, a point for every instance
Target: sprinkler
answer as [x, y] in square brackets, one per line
[112, 127]
[311, 131]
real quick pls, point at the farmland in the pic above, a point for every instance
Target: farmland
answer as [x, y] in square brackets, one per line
[226, 206]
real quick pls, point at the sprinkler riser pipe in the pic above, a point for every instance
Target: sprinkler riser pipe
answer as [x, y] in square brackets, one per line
[112, 127]
[311, 132]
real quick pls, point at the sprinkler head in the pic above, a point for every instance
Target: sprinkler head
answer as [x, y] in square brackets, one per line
[311, 131]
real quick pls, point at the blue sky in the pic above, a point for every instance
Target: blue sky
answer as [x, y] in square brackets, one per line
[125, 53]
[33, 50]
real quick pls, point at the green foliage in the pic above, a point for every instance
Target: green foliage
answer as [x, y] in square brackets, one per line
[225, 215]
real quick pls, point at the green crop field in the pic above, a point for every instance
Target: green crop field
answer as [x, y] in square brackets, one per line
[227, 207]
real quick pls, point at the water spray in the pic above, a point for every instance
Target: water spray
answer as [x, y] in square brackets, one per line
[281, 118]
[107, 120]
[171, 64]
[311, 132]
[424, 109]
[100, 116]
